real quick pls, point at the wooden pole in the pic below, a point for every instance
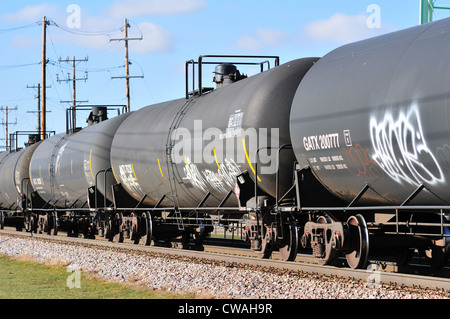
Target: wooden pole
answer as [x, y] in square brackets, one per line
[44, 82]
[127, 67]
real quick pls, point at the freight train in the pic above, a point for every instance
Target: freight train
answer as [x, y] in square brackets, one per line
[344, 155]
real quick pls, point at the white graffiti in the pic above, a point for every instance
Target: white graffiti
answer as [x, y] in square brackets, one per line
[193, 174]
[229, 170]
[220, 180]
[128, 176]
[215, 180]
[401, 150]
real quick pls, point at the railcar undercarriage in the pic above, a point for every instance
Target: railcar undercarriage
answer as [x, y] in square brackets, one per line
[351, 231]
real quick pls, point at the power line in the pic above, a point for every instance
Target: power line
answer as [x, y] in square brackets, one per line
[34, 24]
[88, 33]
[13, 66]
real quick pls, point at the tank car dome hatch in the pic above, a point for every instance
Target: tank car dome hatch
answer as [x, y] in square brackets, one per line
[33, 139]
[97, 115]
[226, 74]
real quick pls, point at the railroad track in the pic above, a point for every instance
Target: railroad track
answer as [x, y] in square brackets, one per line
[379, 272]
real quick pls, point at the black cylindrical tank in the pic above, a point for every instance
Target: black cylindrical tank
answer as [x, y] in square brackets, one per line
[63, 167]
[15, 176]
[377, 113]
[192, 147]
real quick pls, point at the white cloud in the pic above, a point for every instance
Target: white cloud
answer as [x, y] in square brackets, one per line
[31, 13]
[135, 8]
[22, 41]
[155, 39]
[93, 32]
[262, 39]
[343, 29]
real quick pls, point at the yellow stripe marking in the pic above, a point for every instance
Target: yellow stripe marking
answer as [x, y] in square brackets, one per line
[160, 170]
[215, 157]
[71, 166]
[90, 164]
[248, 160]
[114, 173]
[134, 173]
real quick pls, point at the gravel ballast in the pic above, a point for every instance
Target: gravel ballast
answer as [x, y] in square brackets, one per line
[205, 279]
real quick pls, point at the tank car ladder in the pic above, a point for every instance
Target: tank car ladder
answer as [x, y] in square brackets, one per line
[171, 165]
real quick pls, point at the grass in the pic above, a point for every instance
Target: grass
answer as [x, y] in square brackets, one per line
[24, 279]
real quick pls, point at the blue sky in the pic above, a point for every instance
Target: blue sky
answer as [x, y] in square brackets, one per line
[173, 31]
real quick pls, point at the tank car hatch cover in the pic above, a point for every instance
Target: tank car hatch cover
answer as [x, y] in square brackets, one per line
[386, 99]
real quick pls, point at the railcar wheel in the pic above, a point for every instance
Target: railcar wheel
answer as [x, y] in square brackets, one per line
[146, 228]
[266, 235]
[289, 246]
[29, 222]
[52, 224]
[118, 235]
[333, 254]
[133, 230]
[114, 227]
[41, 224]
[439, 253]
[266, 243]
[358, 257]
[404, 257]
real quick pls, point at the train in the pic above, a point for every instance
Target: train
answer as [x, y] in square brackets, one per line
[345, 155]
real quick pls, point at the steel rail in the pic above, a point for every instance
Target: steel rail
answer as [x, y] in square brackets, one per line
[407, 280]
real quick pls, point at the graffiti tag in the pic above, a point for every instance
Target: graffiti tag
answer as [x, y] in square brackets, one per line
[401, 150]
[360, 162]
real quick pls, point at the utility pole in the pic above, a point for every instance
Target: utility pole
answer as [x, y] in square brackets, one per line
[74, 81]
[45, 22]
[127, 76]
[38, 97]
[5, 123]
